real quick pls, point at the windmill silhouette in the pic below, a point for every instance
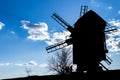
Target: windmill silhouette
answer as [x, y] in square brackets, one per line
[88, 40]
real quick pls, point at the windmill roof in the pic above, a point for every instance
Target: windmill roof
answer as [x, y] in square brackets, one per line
[90, 19]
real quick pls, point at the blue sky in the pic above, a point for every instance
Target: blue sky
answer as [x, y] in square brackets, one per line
[26, 28]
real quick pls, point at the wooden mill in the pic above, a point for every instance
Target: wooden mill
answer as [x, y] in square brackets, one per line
[88, 40]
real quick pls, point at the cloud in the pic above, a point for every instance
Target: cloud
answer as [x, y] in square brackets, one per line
[43, 65]
[113, 38]
[57, 37]
[36, 31]
[12, 32]
[109, 7]
[18, 64]
[30, 63]
[1, 25]
[94, 3]
[4, 64]
[114, 22]
[119, 12]
[39, 31]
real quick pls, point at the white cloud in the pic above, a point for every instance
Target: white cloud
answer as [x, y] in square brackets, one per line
[18, 64]
[4, 64]
[30, 63]
[12, 32]
[113, 38]
[119, 12]
[36, 31]
[57, 37]
[1, 25]
[94, 3]
[115, 23]
[109, 7]
[43, 65]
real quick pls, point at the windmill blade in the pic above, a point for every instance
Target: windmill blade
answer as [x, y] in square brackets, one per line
[104, 66]
[108, 60]
[58, 46]
[110, 28]
[62, 22]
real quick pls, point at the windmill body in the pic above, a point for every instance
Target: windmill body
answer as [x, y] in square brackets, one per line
[89, 46]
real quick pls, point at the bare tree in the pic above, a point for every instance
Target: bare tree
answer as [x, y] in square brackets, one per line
[28, 71]
[61, 62]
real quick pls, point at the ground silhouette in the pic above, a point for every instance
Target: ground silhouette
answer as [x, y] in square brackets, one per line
[104, 75]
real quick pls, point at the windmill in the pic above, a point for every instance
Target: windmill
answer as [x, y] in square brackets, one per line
[88, 40]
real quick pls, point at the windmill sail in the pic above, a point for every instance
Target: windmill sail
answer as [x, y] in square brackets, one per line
[62, 22]
[110, 28]
[58, 45]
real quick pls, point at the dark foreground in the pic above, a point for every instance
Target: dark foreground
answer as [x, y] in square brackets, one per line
[106, 75]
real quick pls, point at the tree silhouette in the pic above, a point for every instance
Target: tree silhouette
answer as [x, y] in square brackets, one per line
[28, 71]
[61, 62]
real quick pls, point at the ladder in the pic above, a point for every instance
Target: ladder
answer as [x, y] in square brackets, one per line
[83, 10]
